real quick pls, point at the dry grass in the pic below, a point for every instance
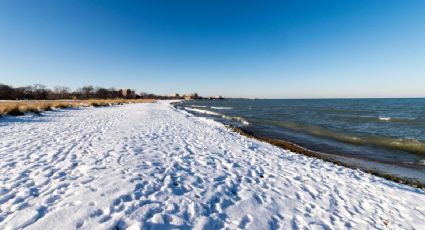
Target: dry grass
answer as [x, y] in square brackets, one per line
[19, 108]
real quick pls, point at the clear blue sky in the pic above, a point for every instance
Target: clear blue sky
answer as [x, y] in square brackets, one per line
[272, 49]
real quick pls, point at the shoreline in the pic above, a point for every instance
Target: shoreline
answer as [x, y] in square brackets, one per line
[328, 157]
[365, 165]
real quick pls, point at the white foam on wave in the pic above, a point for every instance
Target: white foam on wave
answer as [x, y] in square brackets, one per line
[221, 107]
[232, 118]
[243, 121]
[384, 118]
[202, 111]
[199, 106]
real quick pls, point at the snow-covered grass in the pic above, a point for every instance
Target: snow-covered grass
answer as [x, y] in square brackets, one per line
[143, 166]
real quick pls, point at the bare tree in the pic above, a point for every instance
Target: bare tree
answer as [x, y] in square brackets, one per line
[39, 92]
[101, 93]
[61, 92]
[6, 92]
[22, 93]
[87, 91]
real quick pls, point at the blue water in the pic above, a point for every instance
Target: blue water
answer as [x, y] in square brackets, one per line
[390, 131]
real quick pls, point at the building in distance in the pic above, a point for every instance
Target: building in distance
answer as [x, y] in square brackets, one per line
[191, 96]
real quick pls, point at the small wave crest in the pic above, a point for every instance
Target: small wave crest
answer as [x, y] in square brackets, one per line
[221, 107]
[203, 111]
[411, 121]
[199, 106]
[401, 120]
[231, 118]
[235, 118]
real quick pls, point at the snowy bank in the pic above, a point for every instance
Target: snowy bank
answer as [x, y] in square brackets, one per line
[143, 166]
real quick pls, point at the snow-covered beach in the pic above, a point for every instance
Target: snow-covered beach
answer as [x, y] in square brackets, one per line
[150, 166]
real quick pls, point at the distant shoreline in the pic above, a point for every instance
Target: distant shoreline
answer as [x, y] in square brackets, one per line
[326, 98]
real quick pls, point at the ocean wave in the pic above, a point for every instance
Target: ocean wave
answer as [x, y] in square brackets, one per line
[221, 107]
[235, 118]
[203, 111]
[409, 121]
[402, 144]
[401, 120]
[199, 106]
[231, 118]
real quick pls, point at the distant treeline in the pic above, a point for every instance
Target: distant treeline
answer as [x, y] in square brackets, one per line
[41, 92]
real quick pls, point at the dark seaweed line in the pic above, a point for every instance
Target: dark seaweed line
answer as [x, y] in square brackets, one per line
[323, 156]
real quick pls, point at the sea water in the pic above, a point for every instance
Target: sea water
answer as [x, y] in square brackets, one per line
[387, 131]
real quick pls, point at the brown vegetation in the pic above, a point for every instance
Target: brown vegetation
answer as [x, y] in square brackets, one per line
[18, 108]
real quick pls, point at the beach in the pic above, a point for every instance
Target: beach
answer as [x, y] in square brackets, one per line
[382, 136]
[152, 166]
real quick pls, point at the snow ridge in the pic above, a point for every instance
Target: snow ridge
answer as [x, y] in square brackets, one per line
[143, 166]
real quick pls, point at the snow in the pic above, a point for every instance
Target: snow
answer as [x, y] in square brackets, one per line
[150, 166]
